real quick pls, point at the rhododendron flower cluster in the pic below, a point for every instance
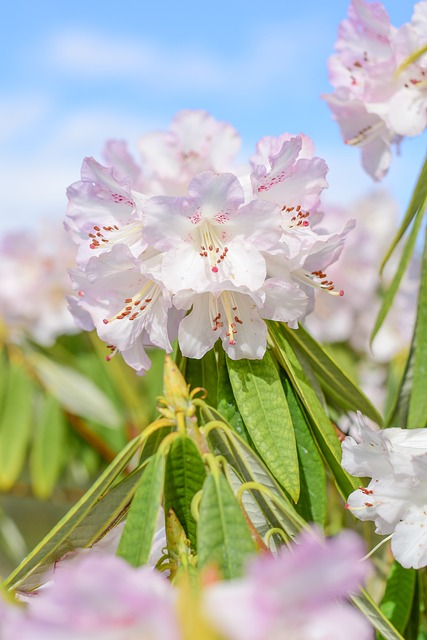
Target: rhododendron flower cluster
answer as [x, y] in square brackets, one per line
[396, 497]
[186, 247]
[379, 98]
[35, 283]
[301, 593]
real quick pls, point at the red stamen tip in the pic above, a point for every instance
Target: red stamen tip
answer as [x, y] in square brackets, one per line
[108, 358]
[346, 506]
[305, 223]
[215, 269]
[342, 292]
[232, 342]
[105, 321]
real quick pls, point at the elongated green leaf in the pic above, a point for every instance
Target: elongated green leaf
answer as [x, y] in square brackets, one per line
[332, 378]
[416, 205]
[185, 474]
[202, 372]
[47, 452]
[322, 427]
[137, 537]
[312, 502]
[226, 404]
[397, 278]
[223, 535]
[77, 394]
[249, 468]
[376, 617]
[417, 416]
[4, 372]
[412, 629]
[104, 516]
[262, 403]
[398, 597]
[59, 540]
[15, 425]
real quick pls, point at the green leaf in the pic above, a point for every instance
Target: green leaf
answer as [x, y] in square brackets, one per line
[403, 265]
[279, 512]
[76, 393]
[202, 372]
[47, 452]
[417, 415]
[398, 597]
[333, 380]
[262, 403]
[226, 405]
[322, 428]
[312, 502]
[223, 535]
[135, 543]
[185, 474]
[60, 539]
[376, 617]
[15, 424]
[416, 206]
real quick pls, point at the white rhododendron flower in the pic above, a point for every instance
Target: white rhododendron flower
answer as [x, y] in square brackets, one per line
[378, 97]
[396, 498]
[225, 248]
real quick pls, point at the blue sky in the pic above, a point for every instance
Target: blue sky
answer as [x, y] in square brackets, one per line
[75, 74]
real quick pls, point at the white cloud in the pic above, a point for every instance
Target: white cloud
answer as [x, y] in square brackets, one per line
[35, 184]
[267, 58]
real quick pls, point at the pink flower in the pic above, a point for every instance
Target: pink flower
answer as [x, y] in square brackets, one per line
[34, 284]
[101, 597]
[285, 172]
[196, 142]
[299, 594]
[376, 99]
[126, 302]
[210, 236]
[103, 212]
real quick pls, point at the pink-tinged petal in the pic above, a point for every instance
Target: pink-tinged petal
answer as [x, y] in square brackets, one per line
[339, 620]
[196, 142]
[245, 335]
[408, 111]
[195, 334]
[101, 596]
[116, 155]
[376, 157]
[136, 357]
[103, 212]
[123, 302]
[167, 221]
[293, 593]
[326, 251]
[203, 136]
[271, 146]
[336, 559]
[368, 29]
[226, 314]
[284, 301]
[81, 317]
[367, 456]
[292, 180]
[217, 195]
